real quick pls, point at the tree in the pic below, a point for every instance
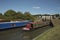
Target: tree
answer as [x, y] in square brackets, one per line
[10, 14]
[19, 15]
[46, 14]
[57, 15]
[0, 13]
[28, 16]
[1, 16]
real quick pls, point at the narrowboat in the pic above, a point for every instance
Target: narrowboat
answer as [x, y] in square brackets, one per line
[33, 25]
[5, 25]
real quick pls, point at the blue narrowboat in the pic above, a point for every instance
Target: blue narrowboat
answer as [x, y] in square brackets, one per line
[4, 25]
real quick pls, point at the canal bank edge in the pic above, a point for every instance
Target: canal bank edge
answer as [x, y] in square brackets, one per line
[41, 35]
[51, 34]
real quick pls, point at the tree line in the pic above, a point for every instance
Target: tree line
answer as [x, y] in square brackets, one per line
[13, 15]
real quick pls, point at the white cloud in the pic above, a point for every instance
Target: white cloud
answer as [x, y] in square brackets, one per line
[36, 7]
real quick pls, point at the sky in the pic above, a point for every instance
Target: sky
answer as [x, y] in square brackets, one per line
[32, 6]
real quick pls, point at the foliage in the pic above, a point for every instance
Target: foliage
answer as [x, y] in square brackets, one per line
[19, 15]
[29, 16]
[57, 15]
[12, 15]
[46, 14]
[0, 13]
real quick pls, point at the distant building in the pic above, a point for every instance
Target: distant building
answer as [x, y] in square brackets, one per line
[45, 16]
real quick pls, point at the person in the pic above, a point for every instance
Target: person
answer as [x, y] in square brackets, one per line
[51, 24]
[42, 19]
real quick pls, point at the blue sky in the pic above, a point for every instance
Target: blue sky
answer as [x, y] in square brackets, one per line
[33, 6]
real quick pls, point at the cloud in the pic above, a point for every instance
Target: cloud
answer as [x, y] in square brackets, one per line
[36, 7]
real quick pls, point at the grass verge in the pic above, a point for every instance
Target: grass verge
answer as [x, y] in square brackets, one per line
[51, 34]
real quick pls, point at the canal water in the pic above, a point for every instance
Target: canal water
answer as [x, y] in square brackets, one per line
[19, 34]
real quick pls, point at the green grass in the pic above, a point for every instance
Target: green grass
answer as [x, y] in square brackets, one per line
[51, 34]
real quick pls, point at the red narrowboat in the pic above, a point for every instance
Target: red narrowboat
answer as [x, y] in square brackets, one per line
[33, 25]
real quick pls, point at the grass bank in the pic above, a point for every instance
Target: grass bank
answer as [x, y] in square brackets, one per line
[51, 34]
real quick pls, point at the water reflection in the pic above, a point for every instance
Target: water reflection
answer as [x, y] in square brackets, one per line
[18, 34]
